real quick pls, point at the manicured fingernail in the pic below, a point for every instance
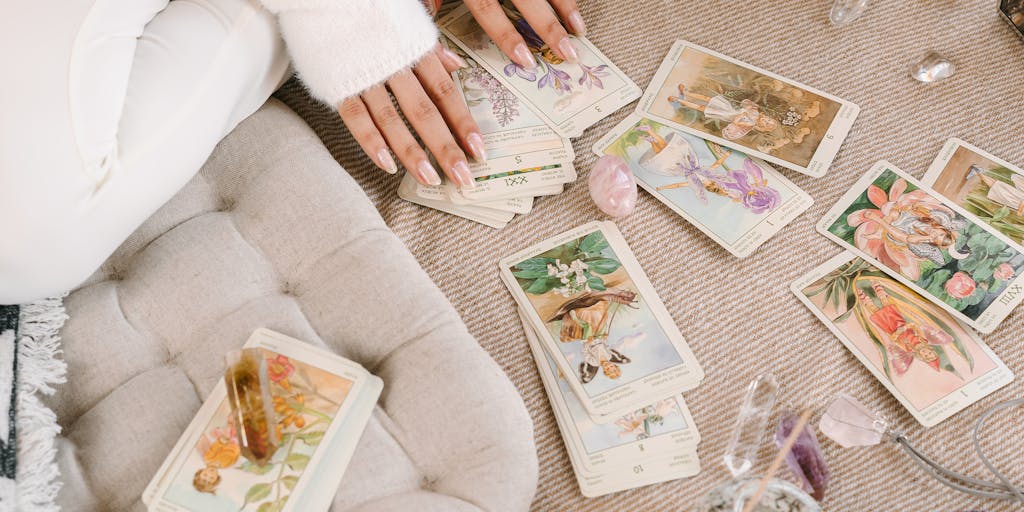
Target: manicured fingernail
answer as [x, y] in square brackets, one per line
[455, 58]
[385, 161]
[568, 51]
[521, 54]
[476, 146]
[427, 174]
[576, 24]
[463, 178]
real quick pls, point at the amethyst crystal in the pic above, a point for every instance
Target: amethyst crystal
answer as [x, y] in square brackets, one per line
[805, 460]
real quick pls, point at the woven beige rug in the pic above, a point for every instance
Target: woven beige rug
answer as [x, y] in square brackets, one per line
[739, 315]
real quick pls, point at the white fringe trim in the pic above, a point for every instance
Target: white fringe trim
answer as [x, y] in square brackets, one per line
[39, 370]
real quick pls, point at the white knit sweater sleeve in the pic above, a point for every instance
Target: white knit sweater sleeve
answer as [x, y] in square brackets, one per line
[341, 47]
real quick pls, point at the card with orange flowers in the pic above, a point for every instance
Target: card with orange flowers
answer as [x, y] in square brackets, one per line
[320, 402]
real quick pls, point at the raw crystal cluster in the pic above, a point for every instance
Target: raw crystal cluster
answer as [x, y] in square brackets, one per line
[805, 459]
[613, 186]
[252, 410]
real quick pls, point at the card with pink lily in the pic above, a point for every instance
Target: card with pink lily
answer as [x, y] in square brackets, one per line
[932, 245]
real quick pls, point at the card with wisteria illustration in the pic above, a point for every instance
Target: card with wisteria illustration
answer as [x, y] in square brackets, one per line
[569, 96]
[932, 364]
[930, 244]
[514, 137]
[744, 107]
[736, 200]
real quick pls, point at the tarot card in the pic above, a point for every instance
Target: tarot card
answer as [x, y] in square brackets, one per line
[338, 397]
[738, 201]
[569, 97]
[649, 468]
[930, 244]
[520, 205]
[744, 107]
[517, 183]
[456, 197]
[931, 363]
[987, 187]
[649, 471]
[661, 428]
[514, 136]
[496, 219]
[595, 311]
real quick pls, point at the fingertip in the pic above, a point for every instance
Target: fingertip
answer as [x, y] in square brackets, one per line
[568, 50]
[386, 162]
[451, 60]
[576, 23]
[462, 176]
[475, 143]
[521, 55]
[426, 174]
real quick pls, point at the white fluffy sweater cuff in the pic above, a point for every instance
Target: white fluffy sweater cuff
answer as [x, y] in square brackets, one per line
[341, 47]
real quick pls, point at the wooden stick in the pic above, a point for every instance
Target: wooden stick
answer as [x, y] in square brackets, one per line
[777, 463]
[720, 160]
[674, 185]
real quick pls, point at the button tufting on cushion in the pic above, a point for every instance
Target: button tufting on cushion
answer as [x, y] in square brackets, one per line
[145, 347]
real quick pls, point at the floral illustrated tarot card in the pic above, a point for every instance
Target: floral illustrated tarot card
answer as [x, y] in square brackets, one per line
[989, 188]
[514, 136]
[587, 297]
[569, 96]
[932, 364]
[436, 197]
[513, 183]
[747, 108]
[930, 244]
[654, 443]
[738, 201]
[322, 401]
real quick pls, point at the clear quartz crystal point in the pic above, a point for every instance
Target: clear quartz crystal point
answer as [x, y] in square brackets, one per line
[846, 11]
[932, 68]
[849, 423]
[751, 420]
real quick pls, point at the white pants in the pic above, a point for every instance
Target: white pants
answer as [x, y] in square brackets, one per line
[107, 108]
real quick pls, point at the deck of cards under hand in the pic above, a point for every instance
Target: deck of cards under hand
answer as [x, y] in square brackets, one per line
[525, 117]
[612, 360]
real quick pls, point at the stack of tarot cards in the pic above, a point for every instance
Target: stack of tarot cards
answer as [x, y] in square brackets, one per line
[323, 401]
[612, 361]
[526, 117]
[704, 132]
[926, 264]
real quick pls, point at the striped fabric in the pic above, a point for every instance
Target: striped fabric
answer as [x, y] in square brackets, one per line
[739, 315]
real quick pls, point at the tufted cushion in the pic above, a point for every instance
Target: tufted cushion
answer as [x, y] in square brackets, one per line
[273, 233]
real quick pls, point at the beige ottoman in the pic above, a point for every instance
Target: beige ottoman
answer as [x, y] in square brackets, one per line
[273, 233]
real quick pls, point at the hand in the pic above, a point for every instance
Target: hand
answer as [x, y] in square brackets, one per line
[538, 13]
[426, 95]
